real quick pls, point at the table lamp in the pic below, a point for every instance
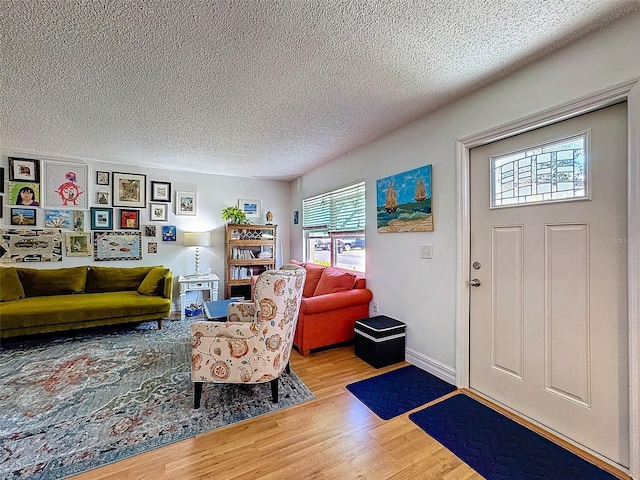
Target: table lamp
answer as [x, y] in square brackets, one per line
[197, 239]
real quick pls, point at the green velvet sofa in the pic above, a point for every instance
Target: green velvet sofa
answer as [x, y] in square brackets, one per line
[49, 300]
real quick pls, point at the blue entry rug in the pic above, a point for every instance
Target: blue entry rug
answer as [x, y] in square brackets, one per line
[497, 447]
[79, 400]
[399, 391]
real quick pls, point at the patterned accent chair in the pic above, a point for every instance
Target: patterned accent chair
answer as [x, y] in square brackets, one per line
[254, 344]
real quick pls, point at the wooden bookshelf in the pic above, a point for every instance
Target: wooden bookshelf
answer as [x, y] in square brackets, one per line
[249, 250]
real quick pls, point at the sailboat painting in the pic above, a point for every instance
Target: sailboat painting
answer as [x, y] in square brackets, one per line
[404, 201]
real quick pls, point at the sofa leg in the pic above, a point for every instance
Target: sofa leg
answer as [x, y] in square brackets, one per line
[304, 353]
[288, 368]
[159, 324]
[274, 390]
[197, 393]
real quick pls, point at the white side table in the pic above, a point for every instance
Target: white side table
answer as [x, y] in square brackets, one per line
[189, 283]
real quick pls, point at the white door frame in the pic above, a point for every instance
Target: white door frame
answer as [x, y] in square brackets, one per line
[629, 91]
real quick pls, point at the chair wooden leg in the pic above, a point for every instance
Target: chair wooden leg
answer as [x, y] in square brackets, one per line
[197, 393]
[274, 390]
[159, 324]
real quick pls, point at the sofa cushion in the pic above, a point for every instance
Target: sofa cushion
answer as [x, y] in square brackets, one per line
[151, 283]
[105, 308]
[333, 280]
[10, 286]
[314, 272]
[59, 281]
[115, 279]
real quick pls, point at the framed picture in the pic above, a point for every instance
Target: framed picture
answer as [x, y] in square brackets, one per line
[102, 197]
[78, 244]
[129, 219]
[24, 170]
[65, 185]
[117, 246]
[185, 203]
[251, 208]
[78, 220]
[23, 216]
[160, 191]
[57, 219]
[1, 206]
[24, 245]
[101, 218]
[149, 230]
[102, 178]
[24, 194]
[168, 233]
[129, 190]
[404, 201]
[152, 247]
[1, 179]
[158, 212]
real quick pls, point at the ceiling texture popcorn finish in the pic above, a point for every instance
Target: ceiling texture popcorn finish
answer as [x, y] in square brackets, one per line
[264, 89]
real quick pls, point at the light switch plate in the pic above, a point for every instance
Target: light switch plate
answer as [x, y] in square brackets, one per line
[426, 251]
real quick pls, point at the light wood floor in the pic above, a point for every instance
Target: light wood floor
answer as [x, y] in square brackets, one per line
[331, 437]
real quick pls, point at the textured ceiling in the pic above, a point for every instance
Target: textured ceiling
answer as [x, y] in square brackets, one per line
[268, 89]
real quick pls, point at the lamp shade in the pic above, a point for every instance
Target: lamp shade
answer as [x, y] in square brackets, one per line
[197, 239]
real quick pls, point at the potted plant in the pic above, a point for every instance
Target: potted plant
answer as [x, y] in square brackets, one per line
[235, 215]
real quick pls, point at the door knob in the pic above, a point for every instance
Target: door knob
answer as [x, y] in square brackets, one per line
[475, 282]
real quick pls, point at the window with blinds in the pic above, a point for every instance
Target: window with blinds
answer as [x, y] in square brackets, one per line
[333, 225]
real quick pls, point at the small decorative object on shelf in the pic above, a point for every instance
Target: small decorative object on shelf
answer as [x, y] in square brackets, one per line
[235, 215]
[269, 216]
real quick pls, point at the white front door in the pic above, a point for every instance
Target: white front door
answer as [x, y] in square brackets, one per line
[548, 320]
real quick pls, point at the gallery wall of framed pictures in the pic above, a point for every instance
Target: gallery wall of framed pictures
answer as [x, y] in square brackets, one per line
[82, 204]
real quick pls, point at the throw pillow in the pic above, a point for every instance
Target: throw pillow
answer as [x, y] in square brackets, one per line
[10, 286]
[58, 281]
[151, 282]
[333, 280]
[314, 272]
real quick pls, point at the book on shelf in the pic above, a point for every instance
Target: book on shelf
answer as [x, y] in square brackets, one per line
[242, 273]
[242, 254]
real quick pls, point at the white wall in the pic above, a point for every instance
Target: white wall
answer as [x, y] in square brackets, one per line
[214, 192]
[422, 293]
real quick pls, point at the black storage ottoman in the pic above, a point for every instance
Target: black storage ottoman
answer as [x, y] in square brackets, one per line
[380, 341]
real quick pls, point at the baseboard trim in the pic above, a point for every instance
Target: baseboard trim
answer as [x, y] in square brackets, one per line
[434, 367]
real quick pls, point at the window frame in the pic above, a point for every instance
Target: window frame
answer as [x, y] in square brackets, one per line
[586, 138]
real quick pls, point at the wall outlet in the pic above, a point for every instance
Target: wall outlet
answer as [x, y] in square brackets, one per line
[376, 307]
[426, 251]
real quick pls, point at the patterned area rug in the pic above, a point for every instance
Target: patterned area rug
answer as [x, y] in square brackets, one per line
[497, 447]
[396, 392]
[70, 404]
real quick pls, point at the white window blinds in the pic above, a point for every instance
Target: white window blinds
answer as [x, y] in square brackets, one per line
[342, 210]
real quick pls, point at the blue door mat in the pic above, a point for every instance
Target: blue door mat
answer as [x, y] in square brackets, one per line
[399, 391]
[499, 448]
